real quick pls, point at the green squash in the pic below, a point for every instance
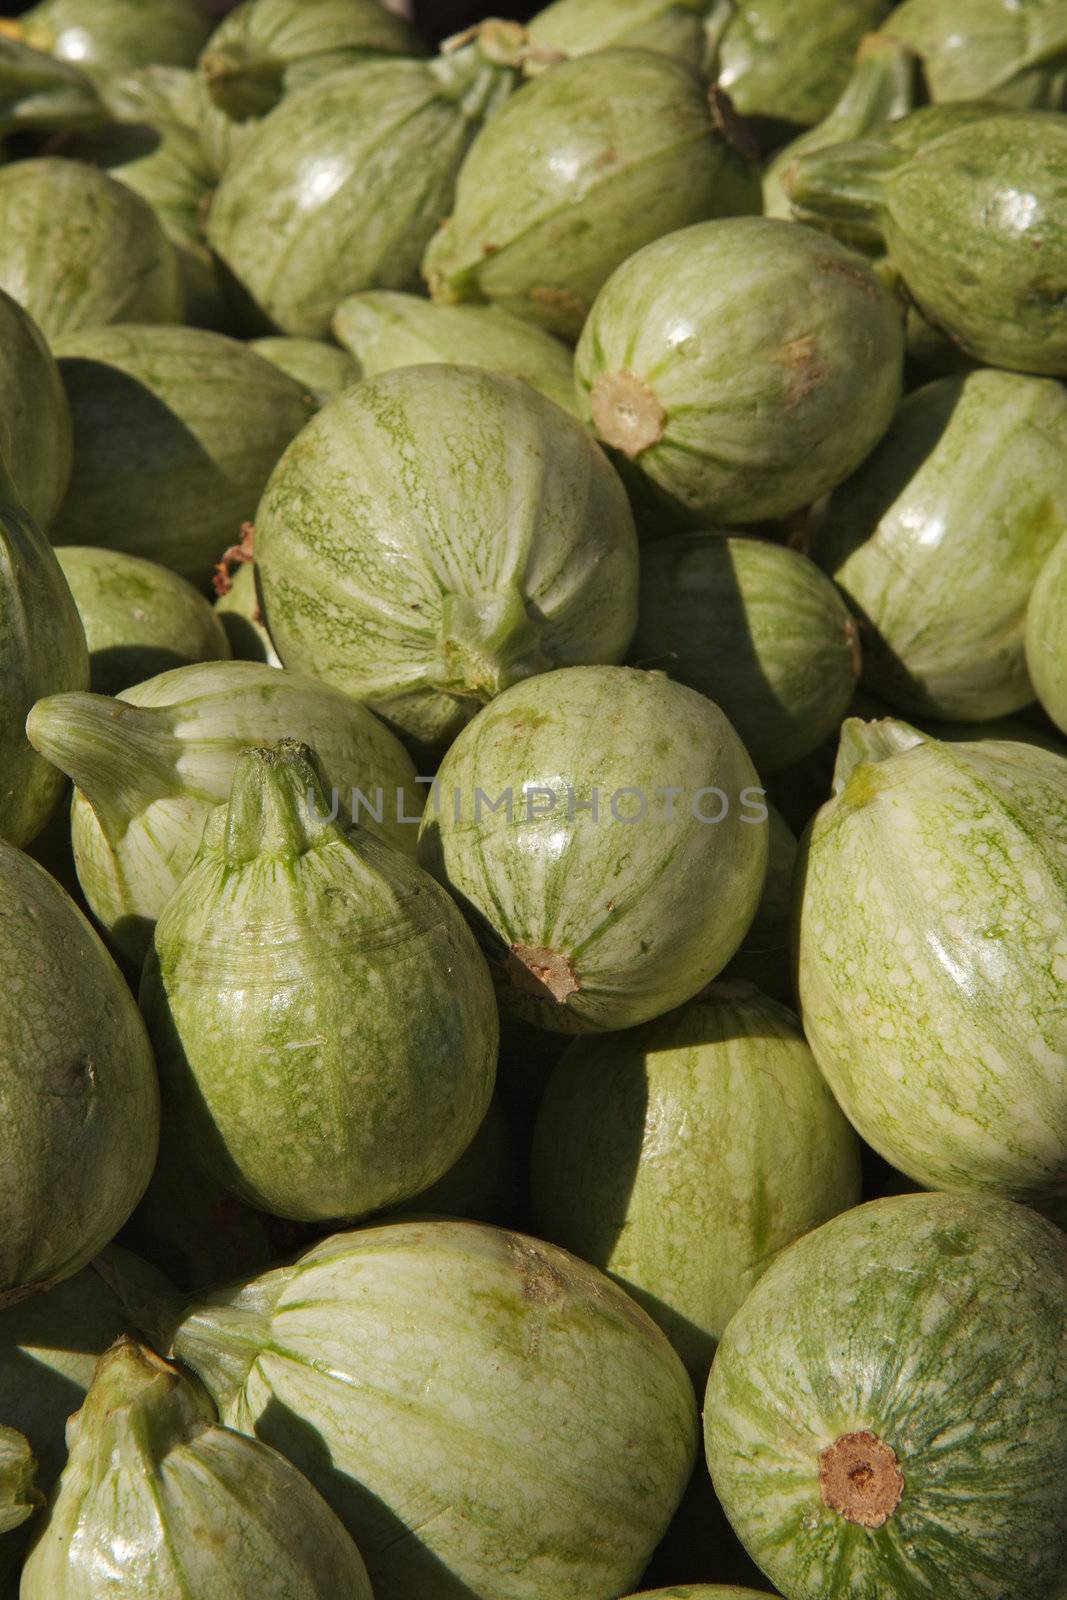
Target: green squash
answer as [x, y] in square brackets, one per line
[682, 1156]
[78, 249]
[175, 433]
[139, 618]
[931, 960]
[604, 830]
[489, 1416]
[584, 165]
[78, 1084]
[151, 766]
[744, 367]
[937, 541]
[1012, 52]
[972, 222]
[172, 97]
[576, 27]
[1046, 636]
[39, 93]
[384, 330]
[763, 956]
[756, 628]
[321, 369]
[165, 1502]
[327, 1101]
[341, 187]
[19, 1495]
[35, 426]
[265, 49]
[42, 651]
[239, 612]
[108, 36]
[864, 1428]
[787, 61]
[437, 534]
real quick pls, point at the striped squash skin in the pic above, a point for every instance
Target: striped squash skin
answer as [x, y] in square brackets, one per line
[35, 426]
[436, 534]
[938, 539]
[1046, 635]
[932, 958]
[78, 249]
[528, 1439]
[937, 1325]
[638, 914]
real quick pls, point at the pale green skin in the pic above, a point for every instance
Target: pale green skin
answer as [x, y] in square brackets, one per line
[78, 1084]
[150, 767]
[176, 431]
[437, 534]
[581, 167]
[39, 92]
[643, 911]
[19, 1497]
[764, 954]
[939, 537]
[576, 27]
[343, 184]
[42, 651]
[1004, 51]
[107, 36]
[265, 49]
[758, 629]
[775, 354]
[932, 956]
[384, 330]
[1046, 636]
[321, 369]
[491, 1418]
[35, 426]
[158, 1501]
[140, 619]
[78, 249]
[240, 614]
[324, 1022]
[937, 1324]
[681, 1157]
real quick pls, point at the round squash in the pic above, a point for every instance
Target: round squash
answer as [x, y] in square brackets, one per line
[1046, 636]
[139, 618]
[681, 1156]
[79, 1086]
[605, 831]
[321, 369]
[438, 533]
[863, 1429]
[992, 50]
[78, 249]
[35, 427]
[938, 538]
[108, 36]
[581, 167]
[931, 956]
[743, 366]
[175, 433]
[758, 629]
[576, 27]
[39, 93]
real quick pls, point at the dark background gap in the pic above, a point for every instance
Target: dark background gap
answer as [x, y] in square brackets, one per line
[436, 19]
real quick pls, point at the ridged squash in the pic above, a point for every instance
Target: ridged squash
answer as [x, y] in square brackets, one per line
[1002, 51]
[576, 27]
[35, 427]
[109, 36]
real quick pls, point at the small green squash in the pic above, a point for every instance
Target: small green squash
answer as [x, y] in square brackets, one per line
[342, 185]
[1046, 636]
[109, 36]
[744, 367]
[938, 538]
[755, 627]
[438, 533]
[239, 612]
[166, 1502]
[681, 1156]
[931, 956]
[78, 1084]
[139, 618]
[151, 766]
[582, 166]
[321, 369]
[35, 426]
[78, 249]
[343, 1061]
[867, 1432]
[19, 1494]
[605, 832]
[489, 1416]
[577, 27]
[384, 330]
[265, 49]
[997, 50]
[39, 93]
[175, 433]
